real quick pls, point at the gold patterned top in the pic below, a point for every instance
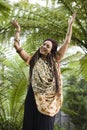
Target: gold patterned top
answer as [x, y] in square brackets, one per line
[42, 78]
[48, 101]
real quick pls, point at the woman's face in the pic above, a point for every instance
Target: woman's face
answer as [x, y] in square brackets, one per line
[46, 48]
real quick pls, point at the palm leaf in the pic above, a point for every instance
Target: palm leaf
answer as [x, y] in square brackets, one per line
[83, 63]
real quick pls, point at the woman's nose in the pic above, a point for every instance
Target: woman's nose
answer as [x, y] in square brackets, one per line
[44, 46]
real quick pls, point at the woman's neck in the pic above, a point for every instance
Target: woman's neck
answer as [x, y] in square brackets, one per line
[44, 57]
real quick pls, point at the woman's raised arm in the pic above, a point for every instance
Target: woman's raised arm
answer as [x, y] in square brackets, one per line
[65, 45]
[23, 54]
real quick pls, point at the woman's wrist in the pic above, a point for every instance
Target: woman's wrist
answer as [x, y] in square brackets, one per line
[18, 50]
[16, 40]
[16, 45]
[17, 36]
[18, 29]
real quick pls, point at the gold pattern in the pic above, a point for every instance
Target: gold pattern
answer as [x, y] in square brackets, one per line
[47, 100]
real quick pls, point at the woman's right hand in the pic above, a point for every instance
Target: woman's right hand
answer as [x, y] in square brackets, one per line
[72, 19]
[16, 24]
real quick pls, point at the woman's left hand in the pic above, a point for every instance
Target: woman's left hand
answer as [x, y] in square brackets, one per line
[16, 24]
[71, 19]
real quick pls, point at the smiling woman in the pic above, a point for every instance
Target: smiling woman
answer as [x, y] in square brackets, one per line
[44, 97]
[46, 48]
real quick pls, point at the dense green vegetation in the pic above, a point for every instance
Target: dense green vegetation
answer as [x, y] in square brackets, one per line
[38, 23]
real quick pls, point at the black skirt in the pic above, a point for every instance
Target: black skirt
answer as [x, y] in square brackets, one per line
[33, 119]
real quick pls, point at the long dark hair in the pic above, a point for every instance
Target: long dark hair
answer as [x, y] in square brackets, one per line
[50, 59]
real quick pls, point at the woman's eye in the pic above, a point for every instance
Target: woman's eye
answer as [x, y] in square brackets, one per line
[44, 44]
[48, 47]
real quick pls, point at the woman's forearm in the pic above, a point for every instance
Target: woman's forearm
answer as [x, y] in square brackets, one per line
[65, 45]
[68, 35]
[19, 49]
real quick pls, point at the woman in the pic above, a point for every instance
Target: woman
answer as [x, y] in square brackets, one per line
[44, 97]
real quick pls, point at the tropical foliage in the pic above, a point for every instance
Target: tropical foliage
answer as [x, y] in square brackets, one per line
[75, 102]
[37, 23]
[13, 83]
[75, 89]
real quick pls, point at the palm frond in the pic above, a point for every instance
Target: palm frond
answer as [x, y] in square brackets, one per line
[83, 63]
